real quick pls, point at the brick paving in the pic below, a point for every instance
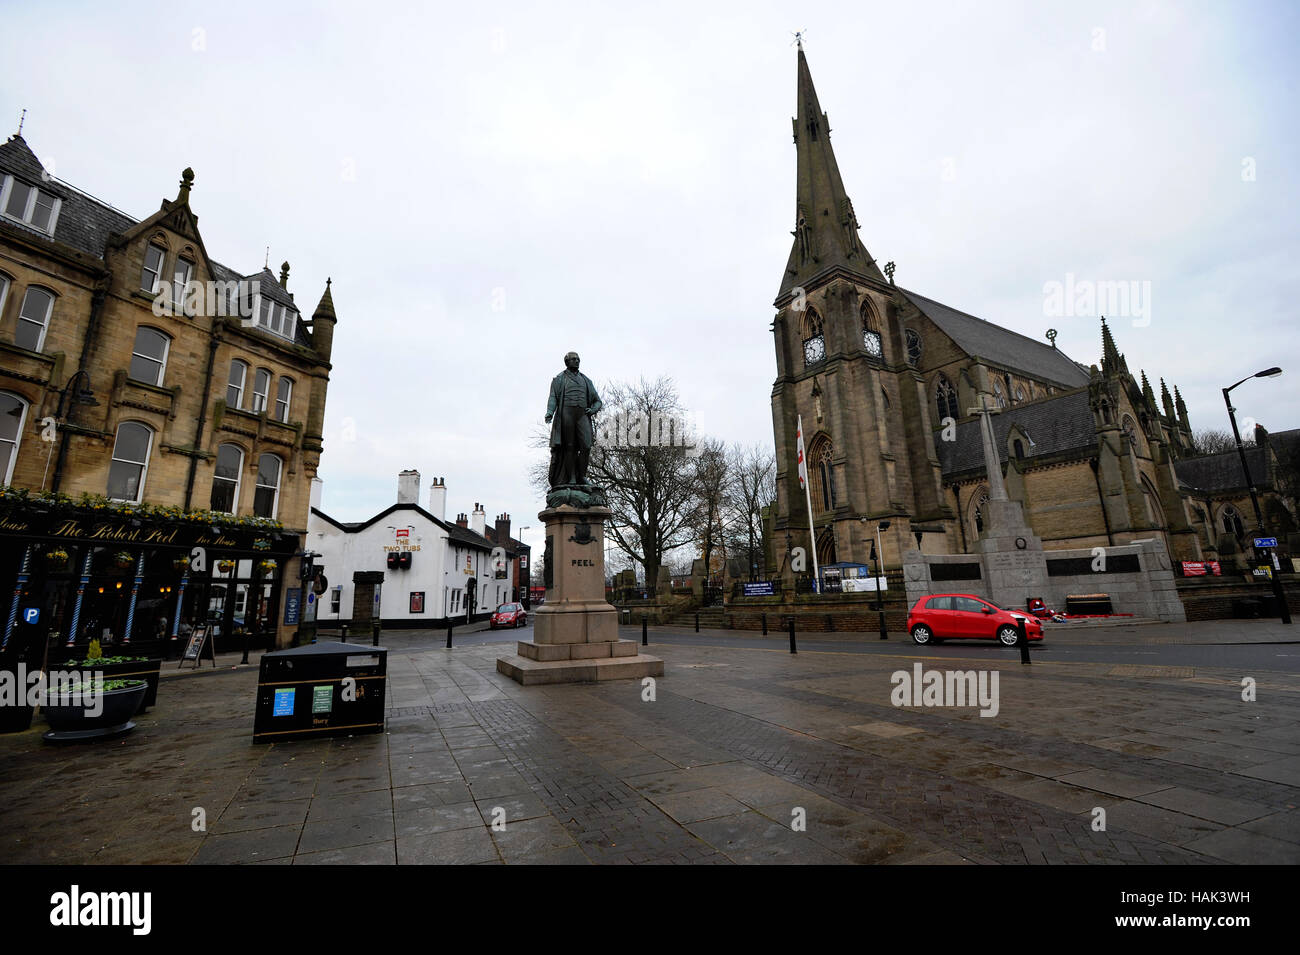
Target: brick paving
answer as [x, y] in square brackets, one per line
[737, 749]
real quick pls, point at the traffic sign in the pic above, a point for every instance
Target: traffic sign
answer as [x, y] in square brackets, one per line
[1265, 541]
[31, 614]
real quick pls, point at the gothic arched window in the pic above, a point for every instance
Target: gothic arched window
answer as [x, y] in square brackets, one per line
[871, 339]
[814, 338]
[979, 510]
[946, 398]
[998, 397]
[822, 473]
[913, 347]
[1232, 522]
[1019, 447]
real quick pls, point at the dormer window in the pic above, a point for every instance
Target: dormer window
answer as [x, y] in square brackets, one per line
[276, 318]
[29, 205]
[180, 279]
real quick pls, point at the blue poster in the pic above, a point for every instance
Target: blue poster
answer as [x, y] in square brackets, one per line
[283, 702]
[762, 588]
[292, 603]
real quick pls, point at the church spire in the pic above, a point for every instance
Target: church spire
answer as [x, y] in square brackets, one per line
[825, 226]
[1167, 402]
[1148, 394]
[1109, 353]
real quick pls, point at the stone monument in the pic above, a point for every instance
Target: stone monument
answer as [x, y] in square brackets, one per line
[575, 637]
[1014, 563]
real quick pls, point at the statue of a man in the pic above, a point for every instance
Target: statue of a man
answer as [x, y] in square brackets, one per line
[569, 409]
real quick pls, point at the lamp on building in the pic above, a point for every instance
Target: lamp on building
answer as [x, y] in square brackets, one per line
[1278, 595]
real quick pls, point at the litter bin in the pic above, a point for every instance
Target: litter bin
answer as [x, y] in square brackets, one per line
[321, 689]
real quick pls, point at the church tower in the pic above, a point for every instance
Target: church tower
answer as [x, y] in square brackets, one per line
[844, 364]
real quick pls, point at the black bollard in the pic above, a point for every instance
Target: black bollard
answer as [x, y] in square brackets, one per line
[792, 646]
[697, 622]
[448, 633]
[1022, 640]
[343, 633]
[645, 633]
[765, 625]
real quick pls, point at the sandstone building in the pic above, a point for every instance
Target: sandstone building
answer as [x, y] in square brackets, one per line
[153, 401]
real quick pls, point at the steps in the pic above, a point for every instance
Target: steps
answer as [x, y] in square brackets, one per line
[711, 618]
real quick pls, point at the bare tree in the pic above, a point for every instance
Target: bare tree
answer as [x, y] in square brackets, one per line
[647, 476]
[1213, 441]
[711, 477]
[751, 488]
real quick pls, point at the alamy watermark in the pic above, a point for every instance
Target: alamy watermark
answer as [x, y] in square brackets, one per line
[946, 688]
[81, 688]
[211, 299]
[636, 429]
[1124, 298]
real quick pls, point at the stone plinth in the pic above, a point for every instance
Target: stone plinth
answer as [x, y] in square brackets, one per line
[1015, 567]
[575, 637]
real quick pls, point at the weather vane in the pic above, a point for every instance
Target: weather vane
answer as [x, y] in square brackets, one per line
[798, 38]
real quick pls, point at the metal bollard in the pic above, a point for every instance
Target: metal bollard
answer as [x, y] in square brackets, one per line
[645, 633]
[448, 633]
[1022, 640]
[343, 633]
[765, 625]
[375, 641]
[697, 622]
[792, 646]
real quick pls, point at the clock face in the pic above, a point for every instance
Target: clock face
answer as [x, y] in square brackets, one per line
[871, 342]
[814, 350]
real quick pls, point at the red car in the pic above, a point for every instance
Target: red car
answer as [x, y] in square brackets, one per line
[508, 615]
[954, 616]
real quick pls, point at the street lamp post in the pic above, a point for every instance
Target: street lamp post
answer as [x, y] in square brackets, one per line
[1278, 593]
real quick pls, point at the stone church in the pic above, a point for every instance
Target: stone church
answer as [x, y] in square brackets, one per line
[885, 380]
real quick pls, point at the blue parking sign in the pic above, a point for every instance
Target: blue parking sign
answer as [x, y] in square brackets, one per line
[31, 614]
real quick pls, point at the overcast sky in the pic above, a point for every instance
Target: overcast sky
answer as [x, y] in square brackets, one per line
[490, 186]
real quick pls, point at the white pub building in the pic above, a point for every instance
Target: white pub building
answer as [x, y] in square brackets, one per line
[433, 570]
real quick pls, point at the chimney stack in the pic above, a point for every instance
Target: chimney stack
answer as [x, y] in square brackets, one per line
[462, 520]
[501, 533]
[478, 520]
[408, 487]
[438, 498]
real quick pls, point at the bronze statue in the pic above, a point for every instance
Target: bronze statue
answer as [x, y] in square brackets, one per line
[569, 411]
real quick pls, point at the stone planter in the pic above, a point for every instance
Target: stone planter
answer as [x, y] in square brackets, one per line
[70, 722]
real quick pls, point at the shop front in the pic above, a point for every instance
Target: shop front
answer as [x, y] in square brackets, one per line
[139, 583]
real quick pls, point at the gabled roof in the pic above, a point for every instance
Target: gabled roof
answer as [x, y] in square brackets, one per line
[1217, 473]
[977, 337]
[85, 223]
[460, 535]
[1054, 425]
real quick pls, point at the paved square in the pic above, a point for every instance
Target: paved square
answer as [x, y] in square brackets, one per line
[747, 754]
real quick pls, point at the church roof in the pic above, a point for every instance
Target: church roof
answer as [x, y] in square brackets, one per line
[1216, 473]
[1053, 425]
[980, 338]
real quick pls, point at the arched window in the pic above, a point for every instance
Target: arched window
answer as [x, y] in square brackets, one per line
[261, 389]
[225, 480]
[979, 508]
[181, 275]
[1232, 522]
[913, 339]
[149, 356]
[153, 266]
[266, 498]
[284, 392]
[871, 339]
[946, 398]
[822, 473]
[814, 338]
[13, 415]
[126, 475]
[1018, 447]
[235, 387]
[34, 318]
[4, 291]
[999, 398]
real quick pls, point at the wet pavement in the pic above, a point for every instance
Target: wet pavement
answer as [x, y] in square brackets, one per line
[745, 754]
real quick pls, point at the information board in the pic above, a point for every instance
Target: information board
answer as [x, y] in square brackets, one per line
[194, 649]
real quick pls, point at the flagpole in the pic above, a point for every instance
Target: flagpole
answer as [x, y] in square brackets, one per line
[807, 495]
